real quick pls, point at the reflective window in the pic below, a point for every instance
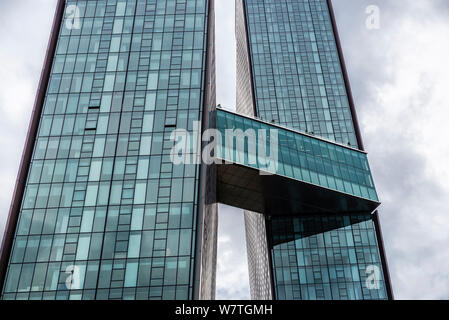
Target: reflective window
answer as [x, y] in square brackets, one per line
[100, 166]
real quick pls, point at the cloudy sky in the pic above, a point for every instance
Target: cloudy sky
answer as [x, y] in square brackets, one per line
[399, 75]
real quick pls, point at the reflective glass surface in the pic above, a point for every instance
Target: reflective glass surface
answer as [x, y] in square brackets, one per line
[297, 76]
[300, 156]
[298, 83]
[326, 258]
[105, 214]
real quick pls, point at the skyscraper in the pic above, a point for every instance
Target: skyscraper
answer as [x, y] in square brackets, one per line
[291, 72]
[101, 210]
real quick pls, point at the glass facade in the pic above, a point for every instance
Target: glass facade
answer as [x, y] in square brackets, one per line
[301, 157]
[325, 257]
[298, 82]
[105, 214]
[297, 76]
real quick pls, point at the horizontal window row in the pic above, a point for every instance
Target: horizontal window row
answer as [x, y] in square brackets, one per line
[87, 82]
[95, 246]
[75, 147]
[185, 99]
[107, 193]
[103, 123]
[119, 8]
[130, 42]
[333, 239]
[162, 60]
[113, 123]
[101, 219]
[133, 24]
[98, 169]
[98, 275]
[88, 146]
[331, 82]
[328, 256]
[323, 275]
[338, 291]
[139, 293]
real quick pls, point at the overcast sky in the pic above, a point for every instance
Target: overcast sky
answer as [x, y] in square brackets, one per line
[399, 75]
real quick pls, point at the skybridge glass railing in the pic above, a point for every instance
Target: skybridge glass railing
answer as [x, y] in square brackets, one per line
[277, 150]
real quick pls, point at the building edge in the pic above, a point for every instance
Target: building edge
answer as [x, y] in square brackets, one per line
[206, 239]
[355, 120]
[380, 241]
[260, 275]
[383, 256]
[19, 188]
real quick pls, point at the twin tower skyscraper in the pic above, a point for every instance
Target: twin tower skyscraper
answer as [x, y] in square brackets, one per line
[100, 209]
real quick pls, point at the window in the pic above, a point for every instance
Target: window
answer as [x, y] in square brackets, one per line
[109, 82]
[115, 44]
[152, 80]
[91, 195]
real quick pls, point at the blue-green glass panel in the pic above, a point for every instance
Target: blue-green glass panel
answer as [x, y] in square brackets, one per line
[300, 156]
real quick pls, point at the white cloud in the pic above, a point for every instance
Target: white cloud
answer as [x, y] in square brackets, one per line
[24, 31]
[401, 79]
[232, 263]
[412, 110]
